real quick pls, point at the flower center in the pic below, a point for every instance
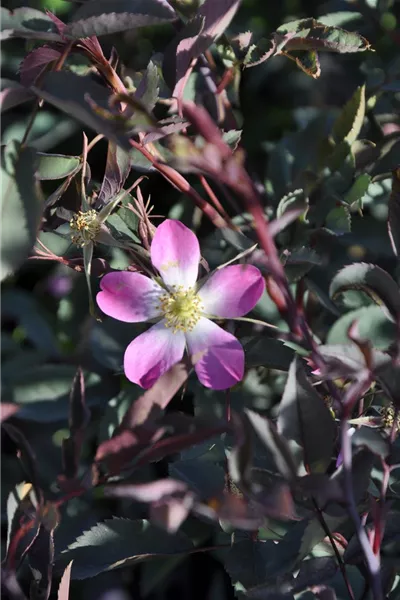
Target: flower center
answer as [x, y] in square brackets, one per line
[87, 227]
[181, 308]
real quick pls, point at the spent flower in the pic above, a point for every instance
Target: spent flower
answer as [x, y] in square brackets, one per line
[182, 310]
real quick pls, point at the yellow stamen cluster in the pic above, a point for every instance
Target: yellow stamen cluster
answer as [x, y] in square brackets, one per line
[181, 308]
[388, 415]
[87, 227]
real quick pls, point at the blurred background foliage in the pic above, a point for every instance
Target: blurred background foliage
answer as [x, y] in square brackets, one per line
[46, 329]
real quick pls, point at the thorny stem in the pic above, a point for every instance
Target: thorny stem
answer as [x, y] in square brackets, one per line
[214, 199]
[178, 181]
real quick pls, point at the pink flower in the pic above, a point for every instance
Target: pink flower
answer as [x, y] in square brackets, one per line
[183, 310]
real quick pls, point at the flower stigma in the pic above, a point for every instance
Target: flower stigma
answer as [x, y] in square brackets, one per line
[87, 227]
[182, 309]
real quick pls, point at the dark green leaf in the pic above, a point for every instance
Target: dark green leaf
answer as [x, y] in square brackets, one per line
[309, 34]
[358, 190]
[305, 418]
[349, 123]
[43, 392]
[202, 476]
[56, 166]
[268, 352]
[27, 23]
[21, 206]
[247, 562]
[373, 325]
[370, 279]
[275, 443]
[117, 543]
[338, 220]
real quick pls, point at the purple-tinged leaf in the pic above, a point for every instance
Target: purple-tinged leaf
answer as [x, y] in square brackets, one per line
[157, 398]
[305, 418]
[8, 410]
[35, 62]
[148, 88]
[25, 455]
[23, 525]
[116, 172]
[165, 127]
[394, 212]
[210, 22]
[233, 510]
[83, 99]
[63, 590]
[27, 23]
[10, 587]
[170, 515]
[118, 543]
[342, 360]
[366, 437]
[147, 492]
[60, 25]
[13, 94]
[100, 17]
[372, 280]
[275, 443]
[41, 560]
[170, 501]
[319, 488]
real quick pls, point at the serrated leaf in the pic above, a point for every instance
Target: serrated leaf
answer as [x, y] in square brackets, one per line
[117, 543]
[71, 93]
[21, 206]
[27, 23]
[308, 62]
[309, 34]
[56, 166]
[350, 121]
[35, 62]
[63, 590]
[304, 417]
[211, 20]
[116, 172]
[370, 279]
[101, 17]
[148, 88]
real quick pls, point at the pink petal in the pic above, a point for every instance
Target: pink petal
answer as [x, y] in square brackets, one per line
[217, 355]
[129, 297]
[233, 291]
[175, 253]
[153, 353]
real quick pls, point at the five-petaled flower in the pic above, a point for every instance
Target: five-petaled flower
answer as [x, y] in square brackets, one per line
[183, 310]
